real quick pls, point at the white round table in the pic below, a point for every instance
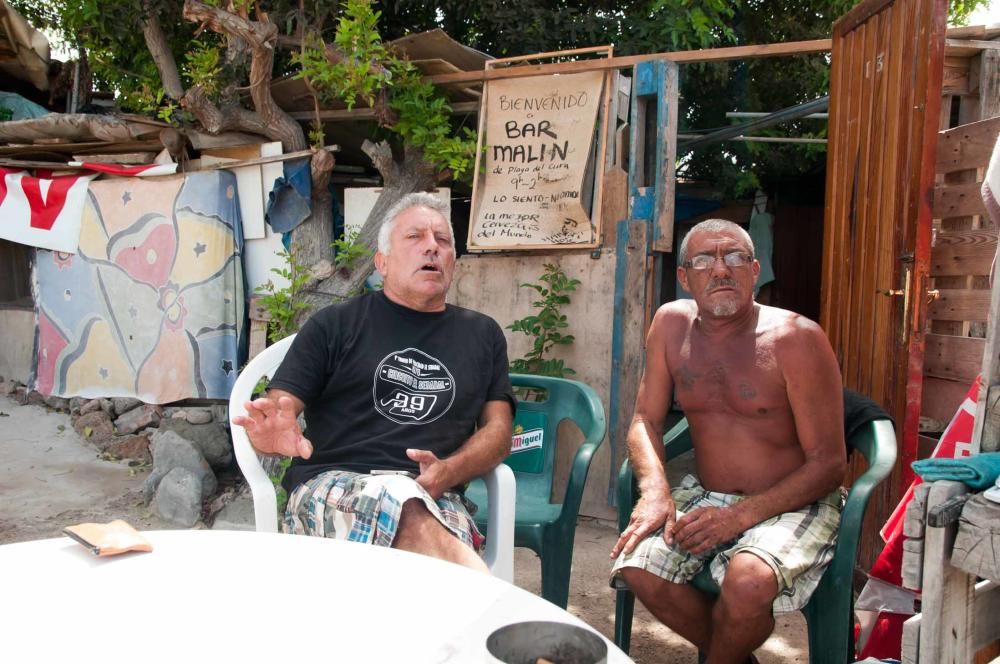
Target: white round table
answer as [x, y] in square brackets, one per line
[226, 596]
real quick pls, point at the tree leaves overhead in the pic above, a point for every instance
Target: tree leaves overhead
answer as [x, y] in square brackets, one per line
[111, 33]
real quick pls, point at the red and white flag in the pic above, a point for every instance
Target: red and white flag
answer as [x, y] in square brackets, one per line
[42, 212]
[883, 594]
[131, 171]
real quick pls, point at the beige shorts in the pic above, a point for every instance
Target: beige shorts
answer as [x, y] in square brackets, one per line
[797, 546]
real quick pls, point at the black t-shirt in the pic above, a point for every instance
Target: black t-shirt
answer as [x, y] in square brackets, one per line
[378, 378]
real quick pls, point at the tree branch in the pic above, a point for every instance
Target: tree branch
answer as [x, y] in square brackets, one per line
[271, 121]
[156, 42]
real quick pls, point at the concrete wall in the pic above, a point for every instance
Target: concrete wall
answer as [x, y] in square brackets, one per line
[490, 284]
[17, 339]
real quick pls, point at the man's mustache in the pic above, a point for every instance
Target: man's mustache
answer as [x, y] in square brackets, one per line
[720, 282]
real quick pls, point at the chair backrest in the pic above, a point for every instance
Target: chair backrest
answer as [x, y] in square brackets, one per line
[265, 501]
[536, 426]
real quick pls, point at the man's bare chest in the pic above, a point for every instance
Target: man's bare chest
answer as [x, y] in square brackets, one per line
[746, 381]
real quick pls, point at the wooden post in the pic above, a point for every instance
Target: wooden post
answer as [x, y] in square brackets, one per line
[986, 437]
[626, 339]
[947, 597]
[258, 316]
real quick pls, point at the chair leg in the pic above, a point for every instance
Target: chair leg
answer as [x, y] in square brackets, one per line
[555, 575]
[831, 635]
[624, 606]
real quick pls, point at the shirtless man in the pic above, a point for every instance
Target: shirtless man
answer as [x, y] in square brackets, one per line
[761, 389]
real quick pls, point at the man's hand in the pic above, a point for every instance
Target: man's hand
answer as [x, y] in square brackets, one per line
[435, 475]
[705, 528]
[650, 513]
[273, 428]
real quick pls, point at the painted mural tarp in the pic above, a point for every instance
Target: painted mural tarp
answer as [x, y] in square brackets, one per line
[152, 304]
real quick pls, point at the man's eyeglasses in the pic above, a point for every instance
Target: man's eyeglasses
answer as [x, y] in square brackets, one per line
[706, 261]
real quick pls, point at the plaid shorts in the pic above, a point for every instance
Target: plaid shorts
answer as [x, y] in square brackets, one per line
[365, 508]
[797, 546]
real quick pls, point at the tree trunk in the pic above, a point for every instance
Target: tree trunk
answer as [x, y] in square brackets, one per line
[399, 179]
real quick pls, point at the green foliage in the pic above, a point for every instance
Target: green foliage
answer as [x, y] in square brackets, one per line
[111, 33]
[518, 27]
[424, 122]
[260, 387]
[348, 251]
[317, 135]
[203, 67]
[423, 117]
[545, 325]
[360, 77]
[959, 10]
[276, 476]
[284, 304]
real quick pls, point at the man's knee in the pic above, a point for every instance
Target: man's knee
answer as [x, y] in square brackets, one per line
[415, 520]
[413, 509]
[750, 584]
[646, 585]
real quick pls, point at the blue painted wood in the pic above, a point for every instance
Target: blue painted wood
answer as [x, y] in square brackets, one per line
[644, 203]
[646, 82]
[653, 90]
[642, 70]
[661, 123]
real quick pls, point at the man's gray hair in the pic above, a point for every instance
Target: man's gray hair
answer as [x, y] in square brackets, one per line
[713, 226]
[417, 199]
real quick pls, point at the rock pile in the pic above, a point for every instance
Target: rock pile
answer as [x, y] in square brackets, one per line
[186, 446]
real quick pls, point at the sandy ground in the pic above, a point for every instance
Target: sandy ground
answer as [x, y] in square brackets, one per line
[50, 478]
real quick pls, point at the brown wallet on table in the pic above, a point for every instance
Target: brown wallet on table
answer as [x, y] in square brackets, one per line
[108, 539]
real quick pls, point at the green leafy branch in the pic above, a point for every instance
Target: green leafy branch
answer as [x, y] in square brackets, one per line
[203, 67]
[349, 251]
[284, 304]
[377, 77]
[545, 325]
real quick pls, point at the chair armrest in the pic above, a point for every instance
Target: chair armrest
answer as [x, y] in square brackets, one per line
[879, 468]
[678, 440]
[626, 495]
[265, 501]
[577, 479]
[501, 490]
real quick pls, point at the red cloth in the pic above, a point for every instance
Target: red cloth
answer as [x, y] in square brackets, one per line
[144, 170]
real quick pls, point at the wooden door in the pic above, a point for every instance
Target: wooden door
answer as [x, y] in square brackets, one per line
[885, 91]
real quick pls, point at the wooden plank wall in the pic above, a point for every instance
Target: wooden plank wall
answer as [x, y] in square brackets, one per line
[964, 240]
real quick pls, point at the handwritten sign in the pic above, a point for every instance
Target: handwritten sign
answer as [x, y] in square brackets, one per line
[539, 132]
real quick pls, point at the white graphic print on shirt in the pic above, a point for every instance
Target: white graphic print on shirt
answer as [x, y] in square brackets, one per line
[411, 387]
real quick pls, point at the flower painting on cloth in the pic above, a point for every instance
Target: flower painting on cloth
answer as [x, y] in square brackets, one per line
[152, 305]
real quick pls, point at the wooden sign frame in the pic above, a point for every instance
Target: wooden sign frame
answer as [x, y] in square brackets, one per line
[601, 126]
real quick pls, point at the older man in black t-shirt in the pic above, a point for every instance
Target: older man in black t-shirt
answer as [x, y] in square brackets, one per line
[406, 399]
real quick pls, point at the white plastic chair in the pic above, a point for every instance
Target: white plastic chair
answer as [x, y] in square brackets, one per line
[500, 485]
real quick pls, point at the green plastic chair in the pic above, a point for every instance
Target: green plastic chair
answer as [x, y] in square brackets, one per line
[548, 528]
[830, 611]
